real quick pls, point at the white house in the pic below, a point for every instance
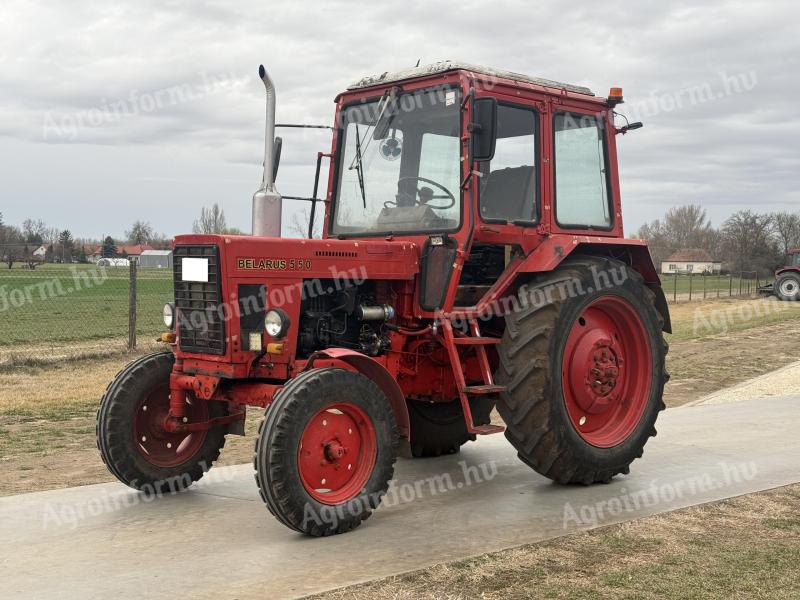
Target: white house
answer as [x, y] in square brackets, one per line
[691, 261]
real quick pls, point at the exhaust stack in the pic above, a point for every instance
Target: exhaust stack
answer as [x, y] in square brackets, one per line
[267, 202]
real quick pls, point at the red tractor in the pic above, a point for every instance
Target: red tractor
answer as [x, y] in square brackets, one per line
[787, 279]
[472, 257]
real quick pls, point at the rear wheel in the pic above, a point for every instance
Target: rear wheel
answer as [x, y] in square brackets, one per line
[439, 428]
[130, 430]
[583, 364]
[325, 451]
[788, 286]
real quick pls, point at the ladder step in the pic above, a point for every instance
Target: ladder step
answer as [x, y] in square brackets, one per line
[484, 389]
[487, 429]
[470, 341]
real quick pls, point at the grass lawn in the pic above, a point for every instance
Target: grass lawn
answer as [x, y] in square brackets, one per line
[66, 303]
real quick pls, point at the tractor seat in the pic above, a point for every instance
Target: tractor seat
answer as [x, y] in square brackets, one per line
[508, 194]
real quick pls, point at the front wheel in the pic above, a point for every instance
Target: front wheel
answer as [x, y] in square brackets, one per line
[788, 287]
[130, 430]
[326, 451]
[583, 365]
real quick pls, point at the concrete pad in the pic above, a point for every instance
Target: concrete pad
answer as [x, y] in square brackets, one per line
[781, 382]
[219, 541]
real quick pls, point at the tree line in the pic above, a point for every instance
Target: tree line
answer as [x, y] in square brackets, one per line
[746, 241]
[21, 244]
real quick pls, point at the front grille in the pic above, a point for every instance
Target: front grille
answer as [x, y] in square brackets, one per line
[201, 327]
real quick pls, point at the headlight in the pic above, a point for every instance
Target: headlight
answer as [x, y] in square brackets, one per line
[276, 323]
[169, 315]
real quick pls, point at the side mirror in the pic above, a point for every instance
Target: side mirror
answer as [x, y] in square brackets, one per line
[483, 129]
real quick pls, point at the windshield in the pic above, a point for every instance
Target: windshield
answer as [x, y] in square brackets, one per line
[795, 260]
[408, 179]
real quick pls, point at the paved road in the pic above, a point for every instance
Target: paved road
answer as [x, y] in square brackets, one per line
[218, 540]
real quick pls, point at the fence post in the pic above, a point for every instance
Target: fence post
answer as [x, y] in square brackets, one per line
[704, 286]
[730, 284]
[675, 287]
[740, 282]
[690, 286]
[719, 282]
[132, 305]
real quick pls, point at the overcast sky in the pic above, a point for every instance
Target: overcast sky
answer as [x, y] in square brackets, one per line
[713, 82]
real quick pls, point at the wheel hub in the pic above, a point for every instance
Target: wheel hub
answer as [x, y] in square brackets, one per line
[159, 446]
[601, 380]
[337, 453]
[789, 287]
[607, 371]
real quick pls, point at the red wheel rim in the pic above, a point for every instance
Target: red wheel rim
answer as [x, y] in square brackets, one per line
[159, 446]
[337, 453]
[607, 371]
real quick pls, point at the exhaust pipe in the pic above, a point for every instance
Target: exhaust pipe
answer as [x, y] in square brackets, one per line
[267, 202]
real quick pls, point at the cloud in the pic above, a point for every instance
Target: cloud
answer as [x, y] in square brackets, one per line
[78, 82]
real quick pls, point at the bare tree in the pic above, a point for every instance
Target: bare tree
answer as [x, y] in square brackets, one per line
[298, 224]
[212, 220]
[34, 231]
[787, 229]
[140, 233]
[687, 226]
[748, 241]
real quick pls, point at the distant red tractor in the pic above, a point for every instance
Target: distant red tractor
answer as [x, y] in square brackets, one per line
[787, 279]
[472, 256]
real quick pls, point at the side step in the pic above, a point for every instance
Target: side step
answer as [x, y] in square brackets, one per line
[484, 389]
[475, 341]
[487, 429]
[479, 344]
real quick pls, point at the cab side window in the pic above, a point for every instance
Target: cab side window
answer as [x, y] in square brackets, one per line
[581, 178]
[509, 191]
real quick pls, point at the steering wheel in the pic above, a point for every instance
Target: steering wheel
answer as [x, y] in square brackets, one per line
[419, 202]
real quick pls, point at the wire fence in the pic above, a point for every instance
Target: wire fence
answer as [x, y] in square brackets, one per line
[688, 287]
[59, 311]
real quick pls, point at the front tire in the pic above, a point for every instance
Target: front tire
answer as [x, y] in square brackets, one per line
[325, 451]
[132, 441]
[583, 362]
[787, 287]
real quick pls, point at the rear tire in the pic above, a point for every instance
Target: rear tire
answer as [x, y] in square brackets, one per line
[439, 428]
[325, 451]
[132, 443]
[787, 287]
[582, 394]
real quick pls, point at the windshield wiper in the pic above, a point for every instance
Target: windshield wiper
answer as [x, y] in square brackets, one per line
[388, 99]
[360, 168]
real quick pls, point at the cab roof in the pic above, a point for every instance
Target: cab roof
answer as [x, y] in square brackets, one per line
[450, 65]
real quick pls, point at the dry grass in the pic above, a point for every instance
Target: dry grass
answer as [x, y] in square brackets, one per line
[746, 547]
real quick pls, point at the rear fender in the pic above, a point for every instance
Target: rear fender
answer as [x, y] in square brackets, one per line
[555, 249]
[374, 371]
[794, 270]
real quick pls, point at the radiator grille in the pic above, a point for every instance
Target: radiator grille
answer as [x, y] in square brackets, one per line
[201, 327]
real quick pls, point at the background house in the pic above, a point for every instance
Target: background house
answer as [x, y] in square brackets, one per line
[693, 260]
[129, 250]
